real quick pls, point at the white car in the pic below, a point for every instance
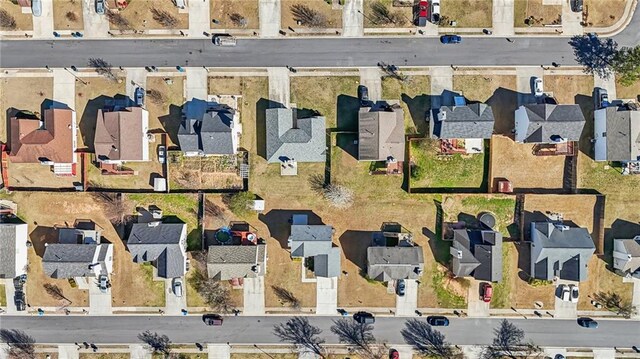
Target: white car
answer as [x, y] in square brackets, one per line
[538, 89]
[177, 287]
[575, 293]
[565, 293]
[161, 154]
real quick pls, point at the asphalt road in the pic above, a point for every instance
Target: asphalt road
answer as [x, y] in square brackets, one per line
[299, 52]
[250, 330]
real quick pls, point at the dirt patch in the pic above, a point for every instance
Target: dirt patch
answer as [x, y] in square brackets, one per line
[333, 17]
[467, 13]
[603, 13]
[23, 93]
[543, 14]
[402, 15]
[414, 99]
[89, 98]
[628, 92]
[23, 21]
[220, 172]
[67, 15]
[140, 16]
[37, 175]
[165, 114]
[224, 10]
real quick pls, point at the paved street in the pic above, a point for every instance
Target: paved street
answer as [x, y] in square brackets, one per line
[190, 329]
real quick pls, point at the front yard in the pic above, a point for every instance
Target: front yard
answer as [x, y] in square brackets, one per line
[23, 22]
[233, 14]
[142, 15]
[67, 15]
[604, 13]
[325, 17]
[23, 94]
[467, 13]
[165, 111]
[631, 92]
[535, 13]
[383, 13]
[414, 98]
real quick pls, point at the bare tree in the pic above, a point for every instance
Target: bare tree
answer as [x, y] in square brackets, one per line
[7, 21]
[382, 15]
[426, 340]
[212, 209]
[113, 206]
[359, 338]
[55, 291]
[213, 292]
[286, 296]
[299, 331]
[509, 343]
[159, 343]
[338, 196]
[71, 16]
[21, 345]
[307, 16]
[238, 20]
[118, 20]
[156, 96]
[614, 302]
[164, 18]
[103, 68]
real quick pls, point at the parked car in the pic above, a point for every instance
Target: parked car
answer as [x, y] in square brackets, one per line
[438, 321]
[224, 40]
[364, 318]
[36, 8]
[363, 95]
[212, 319]
[423, 13]
[162, 150]
[576, 5]
[450, 39]
[565, 293]
[487, 292]
[100, 7]
[559, 356]
[435, 12]
[177, 287]
[538, 87]
[103, 283]
[400, 287]
[575, 293]
[587, 323]
[393, 354]
[18, 299]
[139, 94]
[600, 98]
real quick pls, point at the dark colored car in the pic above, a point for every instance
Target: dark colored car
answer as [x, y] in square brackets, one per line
[438, 321]
[212, 319]
[19, 300]
[587, 323]
[363, 95]
[100, 7]
[450, 39]
[576, 5]
[393, 354]
[364, 318]
[600, 98]
[400, 287]
[139, 96]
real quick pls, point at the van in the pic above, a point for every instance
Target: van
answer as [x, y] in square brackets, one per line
[224, 40]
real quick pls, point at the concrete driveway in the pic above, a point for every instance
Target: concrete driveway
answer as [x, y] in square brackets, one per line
[570, 20]
[68, 352]
[372, 78]
[43, 24]
[199, 21]
[503, 17]
[135, 77]
[95, 26]
[99, 303]
[196, 83]
[10, 292]
[219, 351]
[524, 77]
[279, 85]
[253, 296]
[326, 296]
[139, 352]
[476, 306]
[607, 84]
[352, 19]
[441, 87]
[564, 309]
[407, 304]
[269, 13]
[64, 88]
[174, 304]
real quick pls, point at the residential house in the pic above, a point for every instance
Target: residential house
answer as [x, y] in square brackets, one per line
[290, 138]
[462, 128]
[560, 251]
[121, 135]
[477, 253]
[50, 141]
[231, 262]
[160, 243]
[314, 241]
[208, 128]
[13, 248]
[78, 253]
[617, 134]
[626, 256]
[548, 123]
[393, 255]
[381, 133]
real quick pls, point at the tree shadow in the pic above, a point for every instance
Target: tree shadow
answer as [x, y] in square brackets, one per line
[41, 236]
[586, 105]
[171, 122]
[504, 103]
[419, 110]
[278, 222]
[354, 245]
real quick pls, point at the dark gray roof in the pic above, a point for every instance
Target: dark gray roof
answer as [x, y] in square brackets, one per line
[161, 244]
[8, 242]
[547, 121]
[392, 263]
[561, 251]
[289, 137]
[381, 134]
[470, 121]
[74, 260]
[477, 253]
[228, 262]
[78, 236]
[310, 240]
[206, 128]
[623, 134]
[626, 254]
[327, 265]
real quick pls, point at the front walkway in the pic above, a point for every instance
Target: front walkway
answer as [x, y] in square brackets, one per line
[196, 83]
[503, 17]
[199, 18]
[269, 18]
[64, 89]
[353, 19]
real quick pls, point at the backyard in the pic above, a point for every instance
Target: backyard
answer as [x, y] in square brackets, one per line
[399, 16]
[31, 96]
[213, 172]
[414, 99]
[326, 17]
[467, 13]
[67, 15]
[227, 11]
[541, 14]
[144, 173]
[35, 175]
[165, 111]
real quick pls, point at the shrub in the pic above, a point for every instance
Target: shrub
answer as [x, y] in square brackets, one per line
[417, 172]
[535, 282]
[240, 203]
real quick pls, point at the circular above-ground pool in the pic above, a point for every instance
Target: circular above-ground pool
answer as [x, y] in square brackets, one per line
[223, 235]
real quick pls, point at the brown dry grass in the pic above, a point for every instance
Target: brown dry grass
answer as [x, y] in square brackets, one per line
[263, 356]
[37, 175]
[22, 93]
[525, 8]
[3, 296]
[604, 13]
[334, 17]
[523, 295]
[139, 15]
[628, 92]
[221, 10]
[166, 116]
[90, 98]
[24, 22]
[142, 180]
[404, 13]
[104, 356]
[468, 13]
[413, 97]
[60, 10]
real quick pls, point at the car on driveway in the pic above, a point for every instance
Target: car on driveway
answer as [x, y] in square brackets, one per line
[139, 94]
[18, 299]
[565, 293]
[600, 98]
[576, 5]
[435, 12]
[538, 88]
[212, 319]
[364, 318]
[363, 95]
[177, 287]
[393, 354]
[450, 39]
[438, 321]
[36, 8]
[423, 13]
[587, 323]
[100, 7]
[400, 287]
[487, 292]
[162, 151]
[575, 293]
[103, 283]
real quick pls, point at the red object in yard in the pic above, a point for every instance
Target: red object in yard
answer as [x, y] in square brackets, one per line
[505, 186]
[394, 354]
[487, 292]
[423, 14]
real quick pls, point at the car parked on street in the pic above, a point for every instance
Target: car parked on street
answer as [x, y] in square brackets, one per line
[400, 287]
[100, 7]
[103, 283]
[487, 292]
[600, 98]
[575, 293]
[364, 318]
[538, 87]
[438, 321]
[177, 287]
[450, 39]
[162, 150]
[587, 323]
[212, 319]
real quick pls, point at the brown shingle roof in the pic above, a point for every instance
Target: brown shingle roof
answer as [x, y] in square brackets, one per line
[119, 135]
[29, 143]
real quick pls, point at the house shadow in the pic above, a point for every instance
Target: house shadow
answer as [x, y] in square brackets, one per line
[50, 103]
[586, 105]
[278, 222]
[261, 124]
[347, 113]
[419, 110]
[354, 245]
[620, 229]
[504, 103]
[41, 236]
[439, 247]
[524, 260]
[14, 112]
[87, 124]
[171, 122]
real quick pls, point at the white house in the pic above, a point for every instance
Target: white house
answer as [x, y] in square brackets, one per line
[617, 134]
[548, 124]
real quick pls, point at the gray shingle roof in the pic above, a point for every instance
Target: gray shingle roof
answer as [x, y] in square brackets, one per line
[546, 121]
[381, 134]
[623, 134]
[228, 262]
[288, 137]
[73, 260]
[626, 255]
[310, 240]
[160, 244]
[470, 121]
[392, 263]
[327, 265]
[481, 254]
[8, 242]
[206, 128]
[560, 251]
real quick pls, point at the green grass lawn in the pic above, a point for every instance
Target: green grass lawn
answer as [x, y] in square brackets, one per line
[502, 289]
[3, 296]
[447, 298]
[501, 207]
[158, 286]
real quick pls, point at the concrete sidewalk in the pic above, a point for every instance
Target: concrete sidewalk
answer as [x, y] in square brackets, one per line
[199, 18]
[353, 19]
[269, 13]
[219, 351]
[503, 24]
[68, 351]
[139, 352]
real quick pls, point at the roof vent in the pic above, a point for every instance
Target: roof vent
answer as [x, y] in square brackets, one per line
[562, 227]
[153, 224]
[459, 254]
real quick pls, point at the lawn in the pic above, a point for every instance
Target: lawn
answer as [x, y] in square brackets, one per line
[334, 97]
[468, 208]
[27, 94]
[140, 17]
[222, 10]
[165, 114]
[3, 296]
[502, 290]
[414, 99]
[628, 92]
[195, 300]
[403, 14]
[446, 173]
[263, 356]
[467, 13]
[543, 14]
[24, 22]
[67, 15]
[449, 292]
[90, 97]
[333, 18]
[603, 13]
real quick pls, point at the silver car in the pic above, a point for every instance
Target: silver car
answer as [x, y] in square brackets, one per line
[103, 283]
[100, 7]
[177, 287]
[36, 7]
